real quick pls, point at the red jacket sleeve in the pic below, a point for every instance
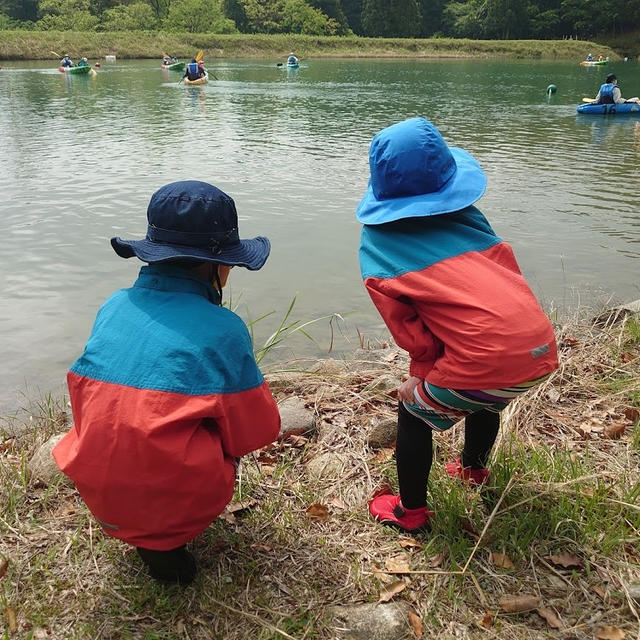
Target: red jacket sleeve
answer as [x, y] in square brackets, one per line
[405, 325]
[250, 420]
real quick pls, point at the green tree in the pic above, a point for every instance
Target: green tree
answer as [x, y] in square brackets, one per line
[333, 10]
[263, 16]
[391, 18]
[299, 17]
[460, 20]
[66, 15]
[234, 10]
[431, 11]
[504, 19]
[352, 10]
[198, 16]
[132, 17]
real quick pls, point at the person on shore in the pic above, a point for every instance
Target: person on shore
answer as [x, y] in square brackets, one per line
[610, 93]
[451, 293]
[292, 60]
[193, 71]
[167, 395]
[66, 62]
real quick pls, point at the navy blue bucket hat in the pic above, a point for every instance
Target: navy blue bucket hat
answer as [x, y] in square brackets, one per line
[193, 220]
[414, 174]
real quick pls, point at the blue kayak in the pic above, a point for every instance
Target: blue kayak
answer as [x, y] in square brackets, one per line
[292, 65]
[595, 109]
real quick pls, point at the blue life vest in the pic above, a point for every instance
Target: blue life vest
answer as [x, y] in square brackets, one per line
[606, 93]
[291, 60]
[193, 72]
[66, 63]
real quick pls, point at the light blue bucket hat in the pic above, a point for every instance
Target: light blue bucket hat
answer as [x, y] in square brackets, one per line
[414, 174]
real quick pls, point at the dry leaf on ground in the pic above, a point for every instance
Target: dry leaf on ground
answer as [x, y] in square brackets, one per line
[318, 512]
[12, 620]
[518, 604]
[552, 619]
[261, 547]
[416, 624]
[236, 507]
[407, 543]
[566, 560]
[610, 633]
[631, 413]
[4, 565]
[397, 564]
[487, 620]
[615, 430]
[392, 590]
[502, 560]
[435, 561]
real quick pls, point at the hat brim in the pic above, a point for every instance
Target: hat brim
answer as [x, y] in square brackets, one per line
[251, 254]
[465, 187]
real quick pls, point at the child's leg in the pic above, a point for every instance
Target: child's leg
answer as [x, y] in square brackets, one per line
[480, 433]
[414, 453]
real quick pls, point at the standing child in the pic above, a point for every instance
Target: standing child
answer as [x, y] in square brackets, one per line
[167, 394]
[451, 293]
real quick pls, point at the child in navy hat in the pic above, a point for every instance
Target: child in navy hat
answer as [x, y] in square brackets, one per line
[451, 293]
[167, 394]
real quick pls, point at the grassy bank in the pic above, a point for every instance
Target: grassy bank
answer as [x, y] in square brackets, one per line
[37, 45]
[559, 521]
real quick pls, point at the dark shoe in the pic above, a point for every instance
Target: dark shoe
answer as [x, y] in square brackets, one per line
[388, 510]
[472, 477]
[176, 565]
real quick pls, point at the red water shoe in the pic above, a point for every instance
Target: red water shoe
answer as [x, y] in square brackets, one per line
[388, 510]
[473, 477]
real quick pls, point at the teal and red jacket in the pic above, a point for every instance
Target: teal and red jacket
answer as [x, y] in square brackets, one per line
[452, 295]
[165, 397]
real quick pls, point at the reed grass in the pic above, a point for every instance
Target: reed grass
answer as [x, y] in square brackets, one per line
[38, 45]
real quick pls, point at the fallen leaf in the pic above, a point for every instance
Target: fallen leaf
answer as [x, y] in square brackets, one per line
[487, 620]
[570, 341]
[407, 543]
[553, 394]
[235, 507]
[38, 633]
[566, 560]
[466, 525]
[502, 560]
[552, 619]
[12, 620]
[383, 577]
[228, 517]
[601, 591]
[265, 458]
[337, 502]
[261, 547]
[392, 590]
[518, 604]
[397, 564]
[416, 624]
[631, 413]
[627, 356]
[382, 489]
[318, 512]
[614, 430]
[383, 455]
[4, 565]
[610, 633]
[436, 561]
[296, 440]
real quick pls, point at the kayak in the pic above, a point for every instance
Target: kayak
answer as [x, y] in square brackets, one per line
[292, 65]
[202, 80]
[593, 63]
[76, 70]
[609, 109]
[175, 66]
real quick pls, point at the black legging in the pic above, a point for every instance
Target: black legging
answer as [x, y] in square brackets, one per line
[414, 451]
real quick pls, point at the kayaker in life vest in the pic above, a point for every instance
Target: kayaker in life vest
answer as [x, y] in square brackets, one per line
[83, 63]
[66, 62]
[193, 71]
[167, 60]
[167, 394]
[292, 59]
[589, 57]
[610, 93]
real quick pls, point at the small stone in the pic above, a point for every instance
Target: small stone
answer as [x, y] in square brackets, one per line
[295, 418]
[634, 591]
[326, 465]
[376, 621]
[383, 434]
[42, 466]
[384, 384]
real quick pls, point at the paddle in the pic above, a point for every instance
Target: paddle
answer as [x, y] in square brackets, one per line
[199, 55]
[588, 99]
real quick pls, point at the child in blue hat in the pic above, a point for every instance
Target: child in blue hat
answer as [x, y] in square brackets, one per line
[167, 394]
[451, 293]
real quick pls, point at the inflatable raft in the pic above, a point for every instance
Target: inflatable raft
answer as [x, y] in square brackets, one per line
[175, 66]
[593, 63]
[76, 70]
[203, 80]
[595, 109]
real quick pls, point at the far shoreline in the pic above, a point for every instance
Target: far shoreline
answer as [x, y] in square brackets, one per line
[41, 45]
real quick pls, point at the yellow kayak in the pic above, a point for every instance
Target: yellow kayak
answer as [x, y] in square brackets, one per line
[203, 80]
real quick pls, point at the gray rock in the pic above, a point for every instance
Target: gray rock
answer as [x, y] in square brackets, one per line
[377, 621]
[383, 384]
[614, 315]
[383, 434]
[634, 591]
[295, 418]
[42, 467]
[326, 465]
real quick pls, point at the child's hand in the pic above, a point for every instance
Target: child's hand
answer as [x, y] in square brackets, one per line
[405, 390]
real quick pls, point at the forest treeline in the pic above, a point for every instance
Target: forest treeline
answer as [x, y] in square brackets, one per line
[478, 19]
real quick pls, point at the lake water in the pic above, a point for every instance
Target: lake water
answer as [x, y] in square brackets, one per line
[80, 157]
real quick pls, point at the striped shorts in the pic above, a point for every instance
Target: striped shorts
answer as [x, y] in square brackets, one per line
[442, 408]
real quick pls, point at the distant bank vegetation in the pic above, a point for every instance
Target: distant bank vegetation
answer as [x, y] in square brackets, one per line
[39, 45]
